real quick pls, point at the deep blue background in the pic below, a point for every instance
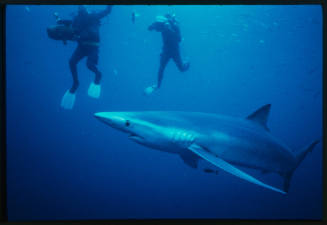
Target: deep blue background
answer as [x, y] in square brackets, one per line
[67, 165]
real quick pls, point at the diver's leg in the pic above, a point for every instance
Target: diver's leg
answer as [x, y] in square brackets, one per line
[164, 59]
[76, 57]
[92, 61]
[68, 100]
[182, 66]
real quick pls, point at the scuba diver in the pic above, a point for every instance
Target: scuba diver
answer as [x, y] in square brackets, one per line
[85, 27]
[171, 36]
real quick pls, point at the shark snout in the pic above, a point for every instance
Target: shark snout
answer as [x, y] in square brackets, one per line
[101, 116]
[113, 119]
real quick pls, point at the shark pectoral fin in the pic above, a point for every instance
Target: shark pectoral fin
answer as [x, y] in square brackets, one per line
[228, 167]
[190, 159]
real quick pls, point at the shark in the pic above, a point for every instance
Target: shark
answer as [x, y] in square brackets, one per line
[228, 143]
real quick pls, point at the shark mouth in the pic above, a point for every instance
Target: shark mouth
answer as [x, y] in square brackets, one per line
[136, 138]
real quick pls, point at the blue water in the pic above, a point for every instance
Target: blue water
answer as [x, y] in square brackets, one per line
[65, 164]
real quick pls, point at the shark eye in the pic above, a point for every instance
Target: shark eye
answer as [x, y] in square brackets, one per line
[127, 123]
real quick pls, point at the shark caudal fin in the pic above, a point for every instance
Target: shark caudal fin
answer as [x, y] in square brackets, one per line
[300, 155]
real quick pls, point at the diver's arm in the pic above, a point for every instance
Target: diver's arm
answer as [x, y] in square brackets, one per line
[157, 26]
[104, 13]
[64, 22]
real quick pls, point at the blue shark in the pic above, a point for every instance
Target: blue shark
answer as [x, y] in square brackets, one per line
[224, 141]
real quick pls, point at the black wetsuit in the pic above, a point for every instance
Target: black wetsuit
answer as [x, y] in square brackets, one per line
[171, 37]
[86, 29]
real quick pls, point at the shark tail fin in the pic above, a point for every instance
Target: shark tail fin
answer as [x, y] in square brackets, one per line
[300, 155]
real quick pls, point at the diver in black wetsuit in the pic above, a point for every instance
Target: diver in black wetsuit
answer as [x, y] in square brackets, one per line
[86, 31]
[171, 36]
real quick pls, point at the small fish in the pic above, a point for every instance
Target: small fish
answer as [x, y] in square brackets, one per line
[210, 171]
[261, 41]
[27, 9]
[115, 72]
[134, 16]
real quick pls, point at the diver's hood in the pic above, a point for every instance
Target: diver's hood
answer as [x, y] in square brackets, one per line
[60, 32]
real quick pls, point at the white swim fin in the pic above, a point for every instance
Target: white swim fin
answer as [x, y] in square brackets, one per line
[150, 89]
[94, 90]
[68, 100]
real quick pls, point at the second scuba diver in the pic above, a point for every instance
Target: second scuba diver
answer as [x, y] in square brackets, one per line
[171, 36]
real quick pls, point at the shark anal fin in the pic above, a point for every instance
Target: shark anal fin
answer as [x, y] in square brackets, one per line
[190, 159]
[228, 167]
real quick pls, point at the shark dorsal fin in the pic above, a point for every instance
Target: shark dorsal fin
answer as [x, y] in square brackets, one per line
[260, 116]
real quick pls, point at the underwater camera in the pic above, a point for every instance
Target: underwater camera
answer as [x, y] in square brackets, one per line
[60, 32]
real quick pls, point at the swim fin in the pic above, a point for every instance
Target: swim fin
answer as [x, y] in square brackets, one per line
[150, 89]
[67, 102]
[94, 90]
